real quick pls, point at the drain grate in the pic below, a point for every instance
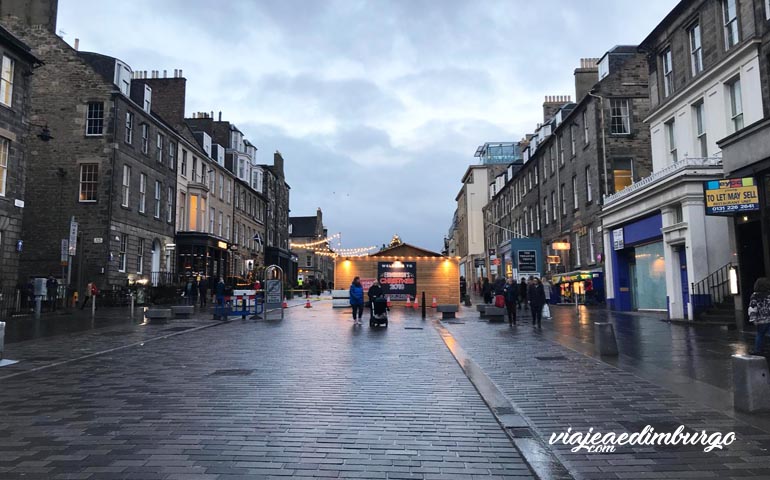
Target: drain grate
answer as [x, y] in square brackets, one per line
[551, 357]
[412, 328]
[235, 372]
[176, 329]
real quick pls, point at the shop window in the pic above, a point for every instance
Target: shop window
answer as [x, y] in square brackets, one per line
[622, 173]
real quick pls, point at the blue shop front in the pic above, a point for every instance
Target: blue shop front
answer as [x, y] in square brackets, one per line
[638, 266]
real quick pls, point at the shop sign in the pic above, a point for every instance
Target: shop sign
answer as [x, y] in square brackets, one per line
[574, 277]
[617, 239]
[222, 245]
[73, 240]
[398, 279]
[478, 262]
[553, 259]
[732, 195]
[527, 261]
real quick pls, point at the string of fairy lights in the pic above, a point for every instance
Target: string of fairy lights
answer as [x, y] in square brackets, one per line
[327, 251]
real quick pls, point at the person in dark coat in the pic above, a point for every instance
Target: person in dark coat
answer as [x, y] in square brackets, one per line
[486, 291]
[511, 294]
[357, 300]
[203, 287]
[220, 293]
[523, 290]
[536, 295]
[375, 291]
[194, 292]
[463, 288]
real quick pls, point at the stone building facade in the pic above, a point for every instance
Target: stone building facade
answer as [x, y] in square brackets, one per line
[315, 261]
[16, 67]
[277, 250]
[97, 169]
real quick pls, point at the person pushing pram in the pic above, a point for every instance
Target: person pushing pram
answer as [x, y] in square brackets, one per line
[378, 305]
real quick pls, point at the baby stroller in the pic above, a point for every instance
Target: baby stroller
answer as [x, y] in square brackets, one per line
[379, 315]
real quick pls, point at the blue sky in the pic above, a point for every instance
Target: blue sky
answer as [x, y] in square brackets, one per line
[376, 106]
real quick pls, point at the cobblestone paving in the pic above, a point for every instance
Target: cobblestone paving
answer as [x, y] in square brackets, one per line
[555, 388]
[308, 397]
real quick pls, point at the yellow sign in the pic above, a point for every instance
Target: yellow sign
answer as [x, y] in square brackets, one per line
[560, 245]
[222, 245]
[724, 197]
[553, 259]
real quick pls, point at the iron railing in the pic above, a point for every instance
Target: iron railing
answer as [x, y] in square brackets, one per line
[712, 290]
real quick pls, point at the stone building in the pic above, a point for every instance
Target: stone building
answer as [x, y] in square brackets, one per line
[308, 242]
[705, 74]
[277, 191]
[16, 67]
[99, 168]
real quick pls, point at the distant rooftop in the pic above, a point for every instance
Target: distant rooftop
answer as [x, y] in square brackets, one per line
[498, 152]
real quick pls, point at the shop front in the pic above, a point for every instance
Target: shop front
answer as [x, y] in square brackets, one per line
[639, 266]
[200, 254]
[585, 287]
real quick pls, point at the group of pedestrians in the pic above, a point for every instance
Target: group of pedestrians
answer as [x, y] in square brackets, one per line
[195, 290]
[529, 295]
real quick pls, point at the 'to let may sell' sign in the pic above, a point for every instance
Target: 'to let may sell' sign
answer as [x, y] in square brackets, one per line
[729, 196]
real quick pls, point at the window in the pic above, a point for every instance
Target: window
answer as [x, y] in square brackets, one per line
[140, 255]
[585, 127]
[562, 191]
[589, 189]
[700, 129]
[622, 173]
[229, 191]
[545, 171]
[620, 119]
[551, 160]
[212, 181]
[221, 223]
[170, 205]
[577, 249]
[678, 214]
[537, 212]
[730, 16]
[126, 185]
[308, 261]
[227, 228]
[221, 186]
[545, 210]
[182, 221]
[560, 147]
[171, 155]
[736, 105]
[142, 192]
[572, 139]
[88, 180]
[6, 81]
[194, 177]
[236, 231]
[5, 148]
[95, 118]
[183, 167]
[668, 77]
[122, 252]
[159, 149]
[591, 251]
[575, 192]
[212, 220]
[671, 140]
[767, 9]
[129, 127]
[536, 175]
[157, 198]
[696, 53]
[145, 138]
[554, 206]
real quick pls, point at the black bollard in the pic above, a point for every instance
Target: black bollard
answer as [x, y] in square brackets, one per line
[423, 304]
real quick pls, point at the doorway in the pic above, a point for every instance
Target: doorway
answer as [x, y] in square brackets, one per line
[155, 271]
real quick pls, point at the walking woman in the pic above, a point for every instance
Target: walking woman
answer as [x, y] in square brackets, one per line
[357, 300]
[536, 296]
[510, 292]
[759, 312]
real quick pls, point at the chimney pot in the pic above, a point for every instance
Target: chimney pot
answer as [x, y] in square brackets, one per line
[220, 115]
[77, 44]
[180, 72]
[164, 74]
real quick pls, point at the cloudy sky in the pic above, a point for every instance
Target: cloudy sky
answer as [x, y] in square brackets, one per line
[377, 106]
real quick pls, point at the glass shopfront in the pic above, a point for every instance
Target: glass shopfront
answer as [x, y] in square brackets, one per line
[648, 277]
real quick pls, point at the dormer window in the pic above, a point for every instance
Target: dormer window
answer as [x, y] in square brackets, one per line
[123, 77]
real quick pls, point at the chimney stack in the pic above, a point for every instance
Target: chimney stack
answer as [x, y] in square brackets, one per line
[586, 77]
[552, 104]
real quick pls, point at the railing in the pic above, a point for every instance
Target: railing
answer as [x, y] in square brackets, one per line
[712, 290]
[708, 162]
[162, 279]
[13, 301]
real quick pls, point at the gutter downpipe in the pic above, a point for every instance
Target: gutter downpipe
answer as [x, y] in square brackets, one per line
[604, 144]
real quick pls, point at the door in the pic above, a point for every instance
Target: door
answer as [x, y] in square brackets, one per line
[685, 282]
[155, 272]
[632, 285]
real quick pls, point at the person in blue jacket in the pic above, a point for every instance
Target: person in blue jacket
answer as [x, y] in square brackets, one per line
[357, 300]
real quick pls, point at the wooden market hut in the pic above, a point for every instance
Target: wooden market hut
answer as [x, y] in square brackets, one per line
[435, 274]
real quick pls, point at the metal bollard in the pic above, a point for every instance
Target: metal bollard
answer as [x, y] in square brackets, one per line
[604, 339]
[751, 391]
[131, 296]
[38, 306]
[93, 305]
[2, 339]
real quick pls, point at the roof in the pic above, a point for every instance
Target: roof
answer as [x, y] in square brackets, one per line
[303, 226]
[646, 44]
[405, 250]
[20, 47]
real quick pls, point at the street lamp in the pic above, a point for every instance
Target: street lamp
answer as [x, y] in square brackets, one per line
[45, 132]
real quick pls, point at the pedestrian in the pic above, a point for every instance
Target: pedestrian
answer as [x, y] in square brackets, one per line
[203, 290]
[486, 291]
[52, 287]
[463, 288]
[194, 292]
[511, 294]
[523, 293]
[188, 292]
[323, 285]
[499, 290]
[357, 300]
[220, 294]
[91, 290]
[536, 296]
[759, 312]
[547, 290]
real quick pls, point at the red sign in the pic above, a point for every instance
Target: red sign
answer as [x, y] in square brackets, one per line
[496, 261]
